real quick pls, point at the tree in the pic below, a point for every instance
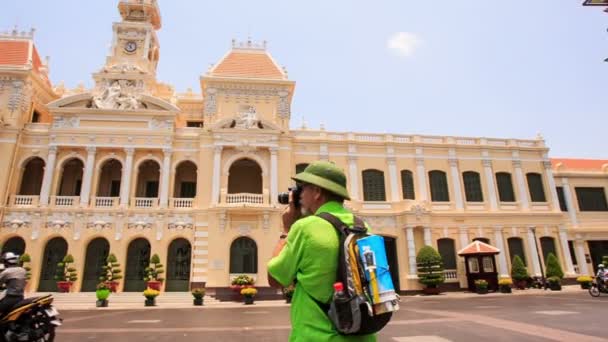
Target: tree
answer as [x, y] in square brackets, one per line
[65, 272]
[430, 267]
[24, 260]
[111, 270]
[519, 271]
[154, 270]
[554, 269]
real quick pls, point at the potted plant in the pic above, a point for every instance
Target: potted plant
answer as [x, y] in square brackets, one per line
[198, 294]
[519, 273]
[248, 293]
[555, 274]
[288, 293]
[150, 295]
[24, 260]
[102, 293]
[240, 282]
[111, 272]
[481, 286]
[66, 274]
[154, 273]
[430, 269]
[585, 282]
[504, 285]
[554, 283]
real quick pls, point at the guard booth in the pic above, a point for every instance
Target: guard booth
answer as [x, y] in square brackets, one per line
[480, 263]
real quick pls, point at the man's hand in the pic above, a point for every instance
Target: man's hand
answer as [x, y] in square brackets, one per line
[291, 214]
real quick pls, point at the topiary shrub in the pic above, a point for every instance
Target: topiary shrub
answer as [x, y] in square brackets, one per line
[430, 267]
[519, 272]
[554, 269]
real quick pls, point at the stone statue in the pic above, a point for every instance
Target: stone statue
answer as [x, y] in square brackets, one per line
[247, 119]
[116, 97]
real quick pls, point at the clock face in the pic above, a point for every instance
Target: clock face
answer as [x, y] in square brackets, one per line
[130, 46]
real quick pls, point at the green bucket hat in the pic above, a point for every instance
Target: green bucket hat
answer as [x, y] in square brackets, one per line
[325, 175]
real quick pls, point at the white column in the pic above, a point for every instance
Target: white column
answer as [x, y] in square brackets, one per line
[551, 184]
[215, 188]
[502, 256]
[580, 256]
[421, 175]
[456, 182]
[87, 177]
[274, 175]
[521, 185]
[165, 178]
[490, 184]
[533, 252]
[127, 171]
[563, 239]
[353, 173]
[569, 202]
[392, 173]
[411, 251]
[464, 237]
[47, 179]
[427, 236]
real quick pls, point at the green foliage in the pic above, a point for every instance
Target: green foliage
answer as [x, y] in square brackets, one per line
[605, 260]
[154, 270]
[111, 270]
[102, 292]
[554, 280]
[518, 269]
[198, 292]
[554, 269]
[481, 284]
[24, 260]
[242, 280]
[430, 267]
[65, 271]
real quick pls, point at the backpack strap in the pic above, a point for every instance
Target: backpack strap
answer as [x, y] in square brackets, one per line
[358, 227]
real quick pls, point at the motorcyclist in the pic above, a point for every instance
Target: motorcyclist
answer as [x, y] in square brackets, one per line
[13, 278]
[600, 277]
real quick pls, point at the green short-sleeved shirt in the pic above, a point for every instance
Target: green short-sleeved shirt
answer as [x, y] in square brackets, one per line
[310, 255]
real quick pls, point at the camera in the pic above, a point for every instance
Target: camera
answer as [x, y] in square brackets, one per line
[283, 197]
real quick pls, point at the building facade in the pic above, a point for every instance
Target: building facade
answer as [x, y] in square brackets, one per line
[132, 168]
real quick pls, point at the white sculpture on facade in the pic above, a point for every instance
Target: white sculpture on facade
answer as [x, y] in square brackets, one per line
[247, 119]
[117, 96]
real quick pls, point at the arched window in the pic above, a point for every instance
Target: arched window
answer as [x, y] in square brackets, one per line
[15, 244]
[516, 247]
[448, 253]
[482, 239]
[535, 187]
[245, 177]
[109, 179]
[178, 265]
[138, 258]
[148, 177]
[54, 252]
[505, 187]
[243, 256]
[547, 245]
[31, 180]
[472, 186]
[185, 180]
[97, 253]
[407, 184]
[71, 178]
[439, 186]
[373, 185]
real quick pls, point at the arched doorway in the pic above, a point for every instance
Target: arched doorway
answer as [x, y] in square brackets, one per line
[109, 179]
[148, 176]
[390, 245]
[138, 257]
[178, 265]
[243, 256]
[71, 178]
[31, 180]
[54, 252]
[245, 177]
[15, 244]
[185, 180]
[97, 253]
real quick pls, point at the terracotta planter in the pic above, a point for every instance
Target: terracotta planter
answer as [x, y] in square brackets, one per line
[150, 302]
[430, 290]
[248, 300]
[198, 301]
[154, 285]
[64, 286]
[113, 285]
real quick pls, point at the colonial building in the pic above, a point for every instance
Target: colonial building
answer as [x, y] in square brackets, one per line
[132, 168]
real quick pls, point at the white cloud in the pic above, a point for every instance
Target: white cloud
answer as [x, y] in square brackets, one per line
[403, 43]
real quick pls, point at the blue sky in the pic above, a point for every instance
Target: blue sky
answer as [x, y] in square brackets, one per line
[505, 69]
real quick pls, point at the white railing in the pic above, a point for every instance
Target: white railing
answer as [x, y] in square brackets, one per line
[369, 137]
[244, 198]
[403, 139]
[465, 141]
[65, 201]
[450, 274]
[25, 200]
[182, 202]
[145, 202]
[432, 140]
[106, 202]
[496, 142]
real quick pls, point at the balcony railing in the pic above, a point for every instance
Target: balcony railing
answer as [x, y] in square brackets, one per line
[105, 202]
[145, 202]
[65, 201]
[25, 200]
[451, 276]
[244, 198]
[182, 202]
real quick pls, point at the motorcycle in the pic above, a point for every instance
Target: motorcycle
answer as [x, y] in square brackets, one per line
[32, 319]
[595, 290]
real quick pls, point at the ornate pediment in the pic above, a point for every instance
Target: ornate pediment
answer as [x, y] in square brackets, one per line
[17, 220]
[141, 222]
[59, 221]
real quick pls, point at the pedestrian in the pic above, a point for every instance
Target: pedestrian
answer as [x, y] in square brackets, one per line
[13, 278]
[307, 252]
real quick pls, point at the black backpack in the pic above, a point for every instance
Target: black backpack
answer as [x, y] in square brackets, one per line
[353, 313]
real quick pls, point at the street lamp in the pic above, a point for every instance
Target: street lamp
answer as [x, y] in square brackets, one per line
[542, 273]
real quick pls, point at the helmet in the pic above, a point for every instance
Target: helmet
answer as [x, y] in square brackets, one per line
[600, 266]
[10, 258]
[325, 175]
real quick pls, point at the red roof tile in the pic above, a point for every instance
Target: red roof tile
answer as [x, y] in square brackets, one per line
[14, 52]
[248, 64]
[579, 164]
[478, 247]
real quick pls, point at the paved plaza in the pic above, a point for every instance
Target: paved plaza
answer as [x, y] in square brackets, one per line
[532, 315]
